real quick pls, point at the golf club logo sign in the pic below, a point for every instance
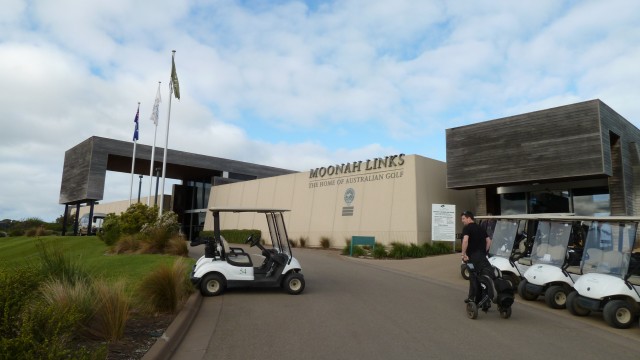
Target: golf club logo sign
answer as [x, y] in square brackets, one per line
[349, 196]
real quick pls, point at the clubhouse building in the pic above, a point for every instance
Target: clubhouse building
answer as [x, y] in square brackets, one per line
[581, 158]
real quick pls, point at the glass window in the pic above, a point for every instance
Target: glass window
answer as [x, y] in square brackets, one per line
[513, 204]
[550, 201]
[591, 202]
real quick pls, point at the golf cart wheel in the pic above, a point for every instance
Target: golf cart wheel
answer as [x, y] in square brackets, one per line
[294, 283]
[522, 291]
[472, 310]
[555, 297]
[505, 313]
[212, 284]
[573, 306]
[464, 271]
[618, 314]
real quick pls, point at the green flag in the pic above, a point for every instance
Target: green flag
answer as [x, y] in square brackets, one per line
[174, 78]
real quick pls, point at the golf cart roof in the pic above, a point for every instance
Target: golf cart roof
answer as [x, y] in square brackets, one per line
[238, 209]
[561, 217]
[524, 216]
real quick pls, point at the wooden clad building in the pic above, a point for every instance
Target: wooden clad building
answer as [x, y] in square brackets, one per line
[86, 165]
[581, 158]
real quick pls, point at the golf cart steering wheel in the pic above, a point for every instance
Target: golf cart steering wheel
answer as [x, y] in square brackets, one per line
[251, 241]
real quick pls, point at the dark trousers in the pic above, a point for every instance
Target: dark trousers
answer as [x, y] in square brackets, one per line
[480, 264]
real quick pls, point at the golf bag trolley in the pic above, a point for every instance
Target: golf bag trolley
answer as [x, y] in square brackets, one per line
[490, 287]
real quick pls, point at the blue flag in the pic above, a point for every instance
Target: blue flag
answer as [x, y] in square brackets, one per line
[135, 132]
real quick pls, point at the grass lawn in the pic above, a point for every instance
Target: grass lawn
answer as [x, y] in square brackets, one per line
[89, 251]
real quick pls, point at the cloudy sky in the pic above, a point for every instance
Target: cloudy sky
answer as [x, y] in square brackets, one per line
[292, 84]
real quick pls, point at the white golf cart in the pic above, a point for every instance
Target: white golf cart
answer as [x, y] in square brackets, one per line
[510, 243]
[223, 266]
[558, 245]
[611, 267]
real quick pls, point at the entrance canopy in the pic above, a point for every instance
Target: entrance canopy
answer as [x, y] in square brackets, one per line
[86, 164]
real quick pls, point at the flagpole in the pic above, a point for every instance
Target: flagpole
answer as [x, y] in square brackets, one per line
[154, 117]
[174, 78]
[133, 158]
[164, 159]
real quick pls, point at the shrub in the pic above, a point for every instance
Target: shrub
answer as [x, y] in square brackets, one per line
[440, 248]
[415, 251]
[398, 250]
[167, 223]
[111, 229]
[47, 333]
[166, 286]
[35, 231]
[303, 241]
[293, 243]
[45, 308]
[136, 216]
[325, 242]
[359, 251]
[130, 222]
[158, 237]
[379, 251]
[16, 285]
[28, 227]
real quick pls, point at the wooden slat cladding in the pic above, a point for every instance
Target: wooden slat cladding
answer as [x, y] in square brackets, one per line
[547, 145]
[86, 164]
[619, 159]
[75, 172]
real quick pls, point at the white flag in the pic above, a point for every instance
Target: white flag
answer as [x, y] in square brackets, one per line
[156, 105]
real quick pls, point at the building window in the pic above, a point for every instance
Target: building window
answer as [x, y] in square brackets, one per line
[591, 202]
[549, 201]
[513, 204]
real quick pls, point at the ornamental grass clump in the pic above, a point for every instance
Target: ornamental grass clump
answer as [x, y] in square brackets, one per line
[111, 311]
[303, 241]
[325, 242]
[54, 264]
[379, 251]
[164, 288]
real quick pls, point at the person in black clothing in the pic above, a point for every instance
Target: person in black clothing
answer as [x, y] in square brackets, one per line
[475, 245]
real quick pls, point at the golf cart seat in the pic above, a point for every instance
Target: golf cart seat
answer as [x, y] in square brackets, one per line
[525, 261]
[235, 255]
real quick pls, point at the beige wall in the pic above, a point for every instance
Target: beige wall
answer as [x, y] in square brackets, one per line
[118, 207]
[392, 201]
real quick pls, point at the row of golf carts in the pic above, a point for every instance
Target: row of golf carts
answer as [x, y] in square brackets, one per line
[580, 263]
